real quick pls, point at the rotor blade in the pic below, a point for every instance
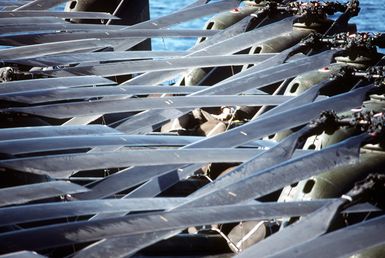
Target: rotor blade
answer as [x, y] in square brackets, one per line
[76, 33]
[187, 14]
[306, 97]
[21, 21]
[286, 173]
[235, 137]
[68, 110]
[157, 185]
[11, 2]
[63, 93]
[234, 30]
[55, 27]
[47, 33]
[131, 67]
[33, 192]
[236, 42]
[278, 59]
[77, 232]
[7, 6]
[281, 152]
[46, 138]
[342, 20]
[40, 5]
[52, 131]
[362, 208]
[179, 17]
[67, 59]
[197, 3]
[308, 228]
[50, 83]
[58, 166]
[343, 242]
[140, 123]
[43, 139]
[86, 137]
[65, 15]
[22, 254]
[48, 211]
[53, 48]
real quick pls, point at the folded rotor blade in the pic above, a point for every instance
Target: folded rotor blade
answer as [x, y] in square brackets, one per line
[33, 192]
[22, 21]
[306, 97]
[68, 110]
[58, 166]
[47, 211]
[22, 254]
[179, 17]
[77, 232]
[157, 185]
[197, 3]
[343, 242]
[278, 59]
[308, 228]
[277, 154]
[53, 83]
[65, 15]
[63, 93]
[40, 5]
[124, 245]
[85, 137]
[66, 59]
[131, 67]
[286, 173]
[341, 21]
[53, 48]
[187, 14]
[54, 27]
[119, 35]
[11, 2]
[47, 33]
[52, 131]
[225, 34]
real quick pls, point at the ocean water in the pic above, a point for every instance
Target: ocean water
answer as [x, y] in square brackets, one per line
[371, 18]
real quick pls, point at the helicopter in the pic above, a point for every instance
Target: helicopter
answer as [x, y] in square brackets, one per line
[269, 142]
